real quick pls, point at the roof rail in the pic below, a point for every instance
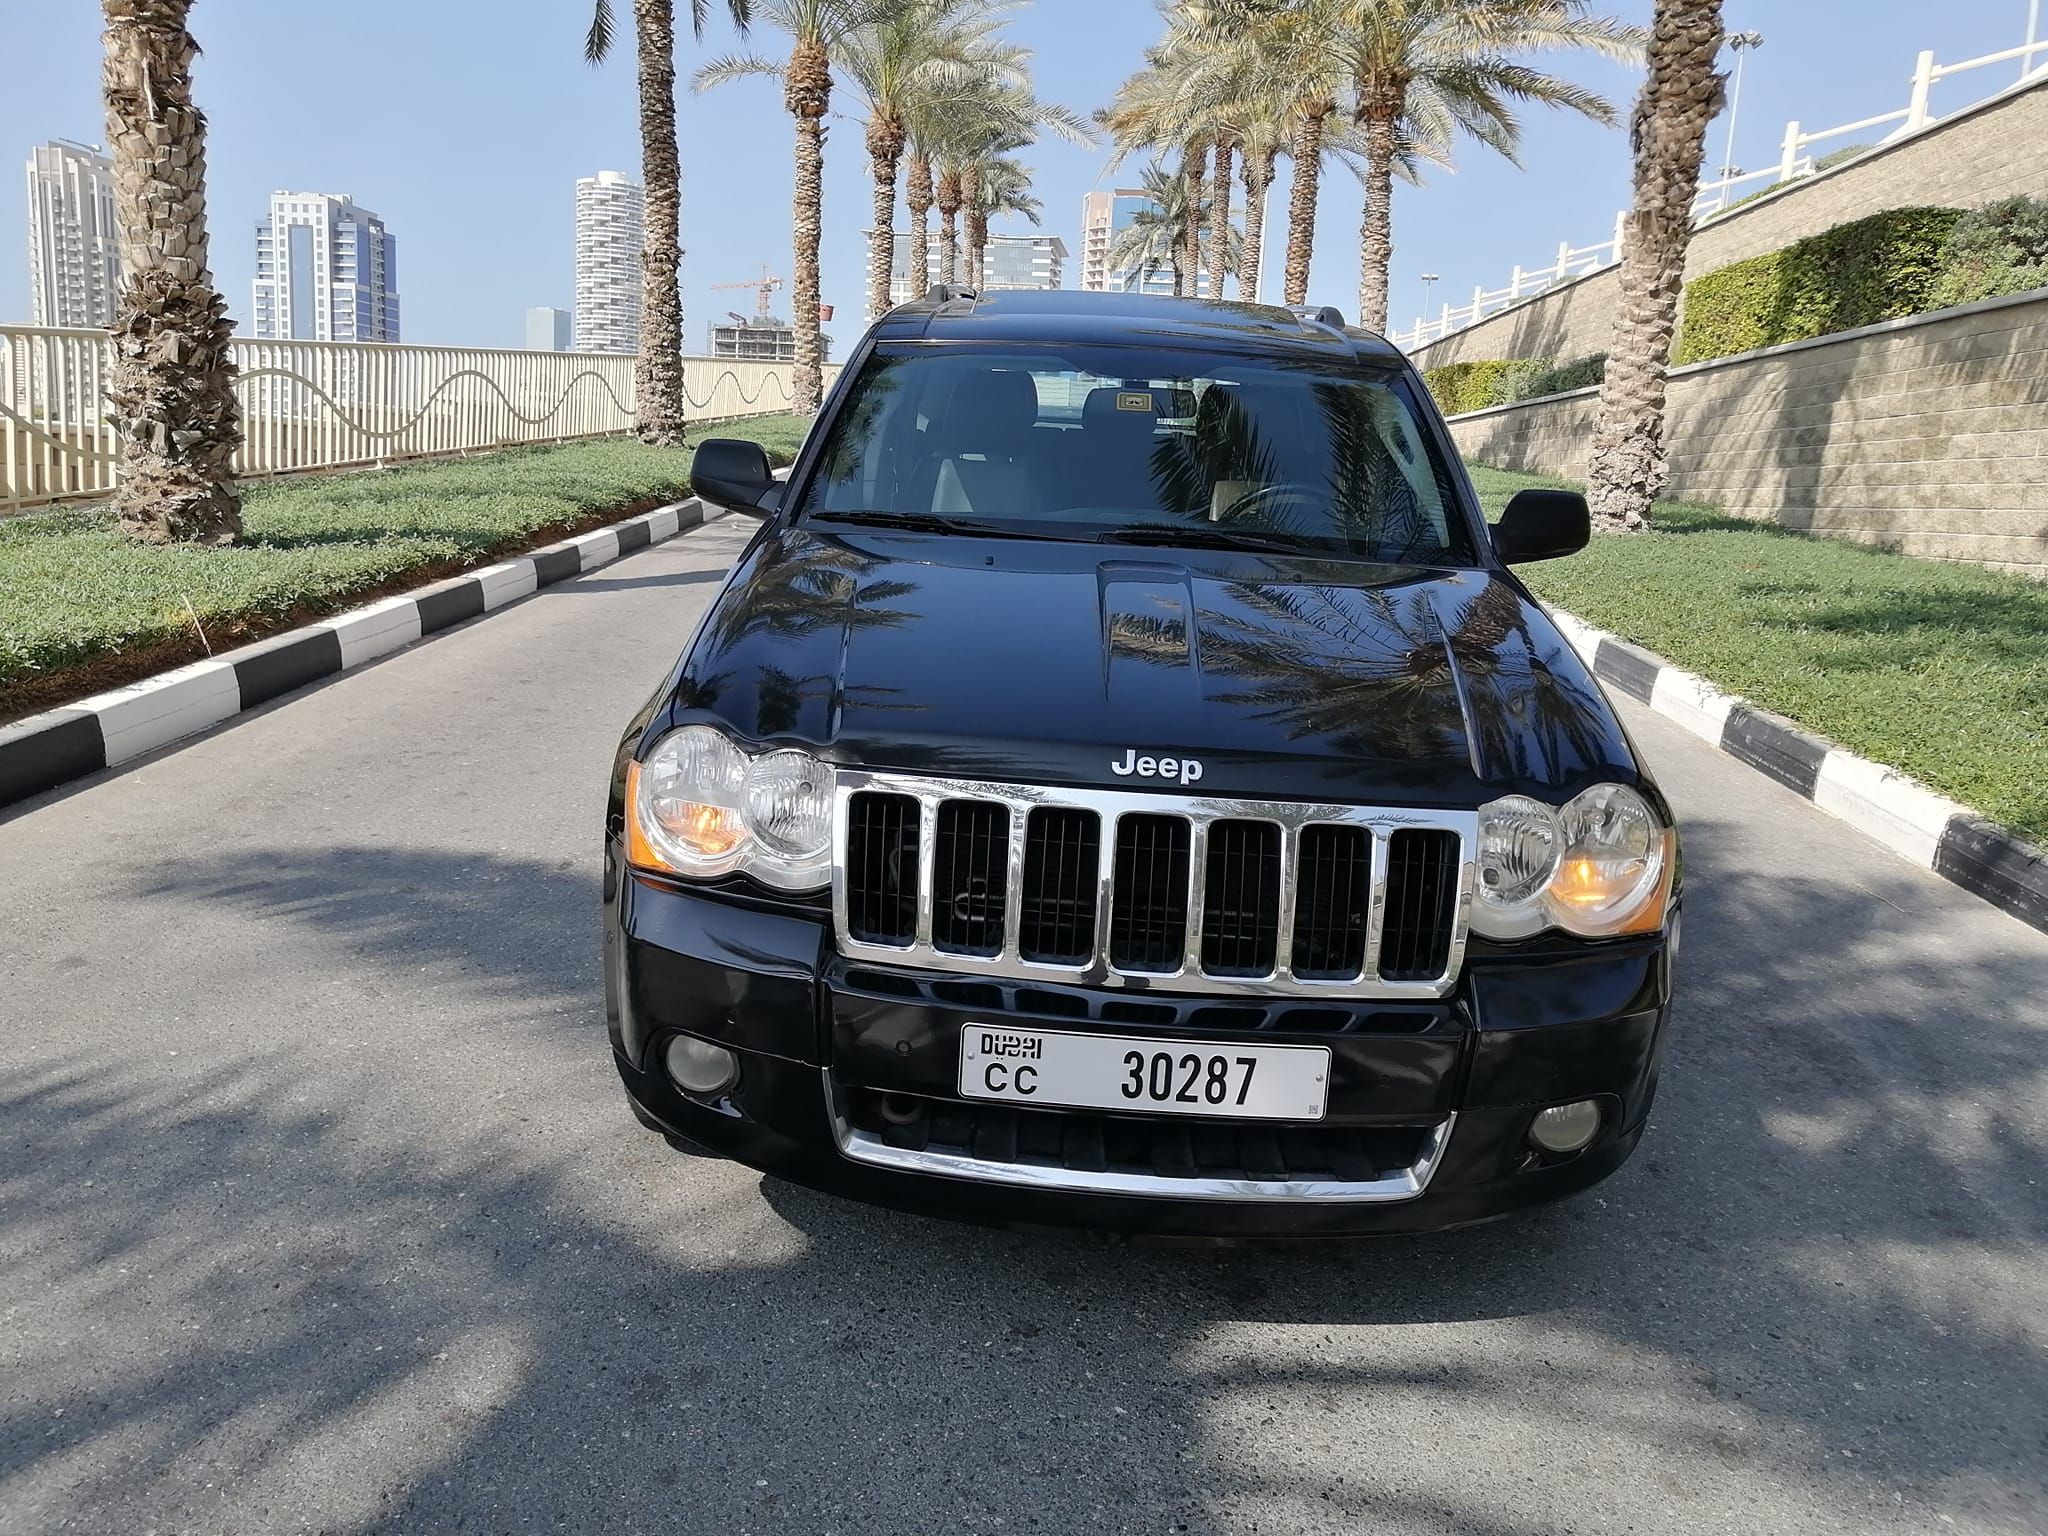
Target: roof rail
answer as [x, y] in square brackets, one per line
[1319, 314]
[946, 293]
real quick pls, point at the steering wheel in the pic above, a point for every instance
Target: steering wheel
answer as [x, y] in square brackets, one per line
[1269, 498]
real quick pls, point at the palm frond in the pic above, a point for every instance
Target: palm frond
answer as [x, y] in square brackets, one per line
[734, 66]
[741, 12]
[597, 42]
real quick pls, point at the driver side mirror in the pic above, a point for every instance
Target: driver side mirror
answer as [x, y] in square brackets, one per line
[732, 473]
[1542, 525]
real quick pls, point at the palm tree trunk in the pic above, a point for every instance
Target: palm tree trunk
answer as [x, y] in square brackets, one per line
[1382, 103]
[1258, 177]
[949, 226]
[885, 150]
[1194, 168]
[1219, 221]
[1301, 205]
[172, 387]
[917, 193]
[807, 91]
[1669, 130]
[977, 225]
[659, 402]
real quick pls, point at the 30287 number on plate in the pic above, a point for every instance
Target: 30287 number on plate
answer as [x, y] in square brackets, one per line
[1212, 1080]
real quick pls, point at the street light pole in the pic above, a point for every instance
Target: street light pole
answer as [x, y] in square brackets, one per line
[1742, 42]
[1427, 279]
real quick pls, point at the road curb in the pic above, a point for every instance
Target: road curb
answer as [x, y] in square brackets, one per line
[1913, 821]
[43, 751]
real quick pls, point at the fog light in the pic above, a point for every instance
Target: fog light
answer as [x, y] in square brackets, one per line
[1565, 1127]
[698, 1066]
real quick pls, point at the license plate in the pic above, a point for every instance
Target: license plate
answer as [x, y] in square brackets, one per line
[1174, 1077]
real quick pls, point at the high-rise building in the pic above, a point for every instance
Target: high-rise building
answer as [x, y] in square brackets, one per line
[326, 270]
[74, 253]
[611, 214]
[1023, 261]
[1010, 261]
[1104, 216]
[547, 330]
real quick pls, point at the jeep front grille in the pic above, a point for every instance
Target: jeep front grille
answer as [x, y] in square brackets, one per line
[1176, 892]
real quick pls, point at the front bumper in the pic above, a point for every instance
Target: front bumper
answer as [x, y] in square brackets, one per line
[824, 1046]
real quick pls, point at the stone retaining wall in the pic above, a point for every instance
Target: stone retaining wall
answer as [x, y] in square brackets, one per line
[1928, 434]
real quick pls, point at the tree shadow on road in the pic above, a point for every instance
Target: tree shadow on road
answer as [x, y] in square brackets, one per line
[378, 1279]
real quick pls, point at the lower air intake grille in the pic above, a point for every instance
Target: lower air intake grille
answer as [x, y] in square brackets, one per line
[1422, 897]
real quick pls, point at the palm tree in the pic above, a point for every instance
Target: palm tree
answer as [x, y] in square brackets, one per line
[978, 132]
[1263, 139]
[1429, 69]
[916, 61]
[1173, 105]
[1216, 56]
[1156, 235]
[659, 398]
[1295, 75]
[815, 28]
[1669, 132]
[948, 197]
[172, 386]
[1002, 187]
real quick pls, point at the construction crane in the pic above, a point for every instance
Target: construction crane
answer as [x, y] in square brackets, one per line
[764, 291]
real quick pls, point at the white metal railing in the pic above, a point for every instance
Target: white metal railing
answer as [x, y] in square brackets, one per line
[320, 404]
[1713, 196]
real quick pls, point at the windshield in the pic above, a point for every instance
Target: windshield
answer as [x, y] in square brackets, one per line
[1140, 446]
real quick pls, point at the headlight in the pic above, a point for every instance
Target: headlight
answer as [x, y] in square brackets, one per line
[700, 806]
[1600, 866]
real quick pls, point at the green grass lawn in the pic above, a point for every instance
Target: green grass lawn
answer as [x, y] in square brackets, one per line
[1941, 670]
[85, 609]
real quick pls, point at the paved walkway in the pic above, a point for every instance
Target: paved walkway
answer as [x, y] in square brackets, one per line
[320, 1209]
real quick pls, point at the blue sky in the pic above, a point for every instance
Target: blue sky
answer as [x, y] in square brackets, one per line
[466, 122]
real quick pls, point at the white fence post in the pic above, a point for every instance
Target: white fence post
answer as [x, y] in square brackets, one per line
[1917, 115]
[1788, 161]
[1620, 233]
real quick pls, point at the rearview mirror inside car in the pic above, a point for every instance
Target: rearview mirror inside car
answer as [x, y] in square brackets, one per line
[1540, 525]
[732, 473]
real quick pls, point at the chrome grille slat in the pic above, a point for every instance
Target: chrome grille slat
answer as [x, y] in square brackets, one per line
[1038, 905]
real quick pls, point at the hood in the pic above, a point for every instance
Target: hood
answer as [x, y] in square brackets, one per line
[1051, 662]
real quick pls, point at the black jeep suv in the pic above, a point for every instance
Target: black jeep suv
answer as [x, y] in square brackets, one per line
[1122, 784]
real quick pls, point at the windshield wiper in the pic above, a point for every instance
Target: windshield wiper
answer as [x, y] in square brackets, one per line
[928, 522]
[1201, 536]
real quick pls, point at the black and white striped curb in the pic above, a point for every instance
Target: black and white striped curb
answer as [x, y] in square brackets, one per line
[1907, 817]
[108, 729]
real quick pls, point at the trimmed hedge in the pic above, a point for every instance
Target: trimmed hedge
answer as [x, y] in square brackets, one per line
[1883, 267]
[1475, 386]
[1578, 373]
[1998, 249]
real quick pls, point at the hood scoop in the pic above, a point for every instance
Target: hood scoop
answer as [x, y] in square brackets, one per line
[1149, 654]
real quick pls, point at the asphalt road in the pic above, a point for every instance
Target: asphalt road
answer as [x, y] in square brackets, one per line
[320, 1208]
